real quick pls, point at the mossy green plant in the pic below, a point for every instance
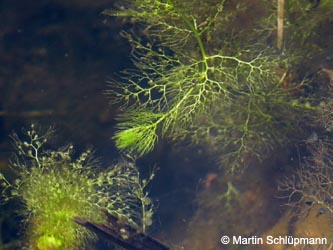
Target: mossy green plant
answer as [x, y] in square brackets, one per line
[54, 186]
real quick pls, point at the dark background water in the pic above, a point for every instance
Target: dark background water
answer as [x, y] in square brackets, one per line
[55, 59]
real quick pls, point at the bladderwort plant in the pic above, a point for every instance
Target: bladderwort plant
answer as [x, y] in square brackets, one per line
[312, 183]
[186, 85]
[54, 187]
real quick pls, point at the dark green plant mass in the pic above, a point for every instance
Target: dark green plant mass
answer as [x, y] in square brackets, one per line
[193, 82]
[54, 186]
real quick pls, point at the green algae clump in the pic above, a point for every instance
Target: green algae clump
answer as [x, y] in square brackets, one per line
[54, 186]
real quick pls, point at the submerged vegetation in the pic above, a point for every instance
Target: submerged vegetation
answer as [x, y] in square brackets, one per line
[197, 81]
[312, 184]
[213, 74]
[55, 186]
[198, 78]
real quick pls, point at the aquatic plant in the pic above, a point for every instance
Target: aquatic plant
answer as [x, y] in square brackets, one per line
[307, 16]
[190, 84]
[307, 35]
[312, 184]
[54, 186]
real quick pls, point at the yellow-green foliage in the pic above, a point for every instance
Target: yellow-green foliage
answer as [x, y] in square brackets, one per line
[55, 187]
[131, 136]
[190, 84]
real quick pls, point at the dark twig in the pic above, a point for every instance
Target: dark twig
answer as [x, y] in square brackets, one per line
[122, 234]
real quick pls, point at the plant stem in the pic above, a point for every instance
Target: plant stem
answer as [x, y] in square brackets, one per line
[280, 16]
[197, 36]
